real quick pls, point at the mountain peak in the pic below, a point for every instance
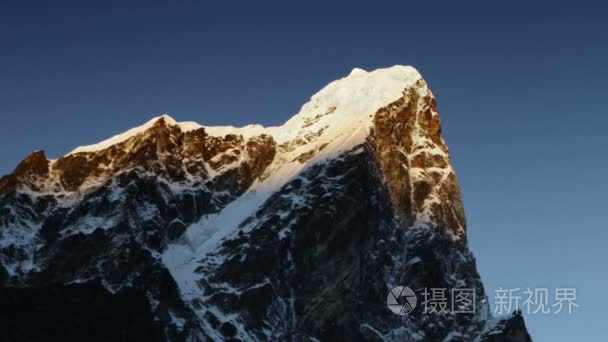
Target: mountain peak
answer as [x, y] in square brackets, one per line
[338, 117]
[215, 227]
[116, 139]
[34, 166]
[394, 70]
[165, 118]
[357, 71]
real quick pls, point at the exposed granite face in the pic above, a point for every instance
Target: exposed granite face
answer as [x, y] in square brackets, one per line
[416, 164]
[238, 162]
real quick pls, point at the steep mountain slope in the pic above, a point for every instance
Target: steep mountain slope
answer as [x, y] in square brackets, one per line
[294, 232]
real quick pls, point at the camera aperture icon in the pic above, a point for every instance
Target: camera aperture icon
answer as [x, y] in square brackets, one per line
[401, 300]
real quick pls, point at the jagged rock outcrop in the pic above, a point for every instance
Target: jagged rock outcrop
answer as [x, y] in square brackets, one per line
[415, 161]
[161, 149]
[290, 233]
[29, 172]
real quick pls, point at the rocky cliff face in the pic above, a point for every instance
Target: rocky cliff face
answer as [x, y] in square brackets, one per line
[292, 233]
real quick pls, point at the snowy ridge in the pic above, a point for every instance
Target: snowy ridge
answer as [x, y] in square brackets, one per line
[117, 139]
[122, 136]
[335, 119]
[350, 99]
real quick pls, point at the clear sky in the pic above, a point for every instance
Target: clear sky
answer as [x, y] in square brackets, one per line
[520, 87]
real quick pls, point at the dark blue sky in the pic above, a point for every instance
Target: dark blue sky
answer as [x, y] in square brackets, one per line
[520, 86]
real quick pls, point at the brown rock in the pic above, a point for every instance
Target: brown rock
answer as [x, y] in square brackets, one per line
[32, 169]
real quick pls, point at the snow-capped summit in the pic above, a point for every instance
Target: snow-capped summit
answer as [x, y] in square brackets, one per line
[338, 117]
[357, 71]
[295, 232]
[350, 99]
